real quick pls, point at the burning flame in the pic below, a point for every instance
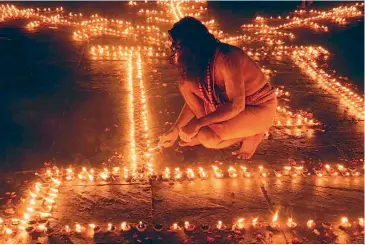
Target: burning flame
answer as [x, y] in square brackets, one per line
[275, 218]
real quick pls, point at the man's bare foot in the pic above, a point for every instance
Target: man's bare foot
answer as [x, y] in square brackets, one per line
[193, 142]
[249, 146]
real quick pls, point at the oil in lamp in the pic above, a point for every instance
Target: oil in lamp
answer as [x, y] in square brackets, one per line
[188, 226]
[205, 228]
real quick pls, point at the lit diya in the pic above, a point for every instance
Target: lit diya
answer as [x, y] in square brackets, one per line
[175, 228]
[256, 224]
[158, 227]
[239, 225]
[345, 224]
[111, 228]
[286, 170]
[278, 173]
[291, 224]
[94, 228]
[232, 172]
[205, 228]
[188, 226]
[79, 228]
[190, 174]
[166, 174]
[203, 174]
[66, 230]
[178, 174]
[310, 224]
[275, 224]
[217, 172]
[221, 226]
[141, 227]
[124, 226]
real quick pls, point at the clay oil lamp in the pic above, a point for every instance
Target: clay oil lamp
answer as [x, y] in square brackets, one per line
[202, 174]
[188, 227]
[239, 225]
[124, 226]
[345, 224]
[221, 226]
[94, 228]
[190, 174]
[256, 224]
[274, 225]
[218, 173]
[327, 225]
[175, 228]
[205, 228]
[166, 174]
[111, 228]
[40, 228]
[141, 227]
[311, 225]
[232, 172]
[291, 224]
[178, 174]
[278, 173]
[286, 170]
[158, 227]
[318, 172]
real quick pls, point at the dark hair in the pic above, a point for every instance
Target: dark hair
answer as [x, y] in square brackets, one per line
[196, 45]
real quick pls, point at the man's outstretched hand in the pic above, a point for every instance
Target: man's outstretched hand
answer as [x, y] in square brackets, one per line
[189, 131]
[169, 138]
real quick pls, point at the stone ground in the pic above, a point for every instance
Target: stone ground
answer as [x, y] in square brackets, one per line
[81, 122]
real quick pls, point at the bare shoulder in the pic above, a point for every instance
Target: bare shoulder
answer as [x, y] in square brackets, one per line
[229, 55]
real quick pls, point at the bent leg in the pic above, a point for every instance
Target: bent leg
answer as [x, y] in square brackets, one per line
[209, 139]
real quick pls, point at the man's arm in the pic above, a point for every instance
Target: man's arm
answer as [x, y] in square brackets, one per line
[231, 70]
[185, 116]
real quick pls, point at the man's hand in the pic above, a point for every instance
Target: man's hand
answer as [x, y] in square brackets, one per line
[189, 131]
[168, 139]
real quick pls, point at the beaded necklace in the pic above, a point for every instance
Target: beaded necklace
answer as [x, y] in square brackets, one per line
[208, 98]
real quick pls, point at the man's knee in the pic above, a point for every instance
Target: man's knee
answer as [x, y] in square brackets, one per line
[207, 138]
